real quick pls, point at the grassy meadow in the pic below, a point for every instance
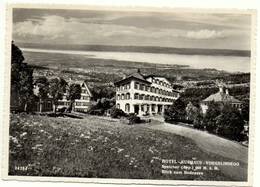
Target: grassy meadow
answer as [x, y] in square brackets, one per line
[98, 147]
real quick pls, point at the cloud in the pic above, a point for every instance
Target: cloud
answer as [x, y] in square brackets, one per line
[76, 30]
[69, 30]
[204, 34]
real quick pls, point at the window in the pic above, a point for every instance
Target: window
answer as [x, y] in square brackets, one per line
[85, 97]
[85, 104]
[118, 105]
[142, 87]
[123, 96]
[153, 108]
[136, 96]
[118, 97]
[128, 96]
[141, 97]
[136, 85]
[127, 86]
[142, 108]
[127, 107]
[148, 108]
[147, 97]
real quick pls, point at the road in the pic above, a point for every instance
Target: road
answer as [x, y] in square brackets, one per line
[233, 151]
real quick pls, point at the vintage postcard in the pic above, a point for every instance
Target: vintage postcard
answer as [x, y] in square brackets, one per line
[129, 95]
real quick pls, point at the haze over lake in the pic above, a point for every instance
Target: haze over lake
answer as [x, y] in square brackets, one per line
[226, 63]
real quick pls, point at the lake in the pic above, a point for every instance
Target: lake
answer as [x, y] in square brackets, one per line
[227, 63]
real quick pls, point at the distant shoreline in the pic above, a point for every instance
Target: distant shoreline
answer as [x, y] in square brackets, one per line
[138, 49]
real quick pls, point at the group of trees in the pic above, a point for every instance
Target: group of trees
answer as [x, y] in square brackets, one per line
[220, 118]
[21, 80]
[103, 91]
[22, 85]
[55, 88]
[102, 105]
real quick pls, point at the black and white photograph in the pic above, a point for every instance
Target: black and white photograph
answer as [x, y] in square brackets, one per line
[134, 95]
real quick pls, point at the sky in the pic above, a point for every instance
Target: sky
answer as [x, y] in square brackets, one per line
[129, 28]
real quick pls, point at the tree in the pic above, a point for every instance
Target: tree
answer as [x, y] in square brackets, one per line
[103, 91]
[175, 112]
[194, 114]
[43, 84]
[103, 104]
[191, 111]
[57, 88]
[198, 121]
[209, 120]
[21, 80]
[230, 123]
[16, 55]
[74, 92]
[245, 109]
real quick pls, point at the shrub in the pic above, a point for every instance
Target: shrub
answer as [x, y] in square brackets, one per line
[96, 112]
[116, 113]
[134, 119]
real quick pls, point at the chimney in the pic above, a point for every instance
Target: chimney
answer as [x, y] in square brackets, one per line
[138, 70]
[124, 75]
[227, 92]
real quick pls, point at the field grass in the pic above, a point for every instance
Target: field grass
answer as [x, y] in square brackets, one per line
[96, 147]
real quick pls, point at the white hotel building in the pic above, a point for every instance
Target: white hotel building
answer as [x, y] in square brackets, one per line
[144, 94]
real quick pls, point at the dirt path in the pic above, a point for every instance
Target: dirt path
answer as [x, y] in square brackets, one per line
[212, 144]
[208, 142]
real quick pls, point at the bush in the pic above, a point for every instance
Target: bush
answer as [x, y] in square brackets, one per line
[134, 119]
[96, 112]
[198, 125]
[116, 113]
